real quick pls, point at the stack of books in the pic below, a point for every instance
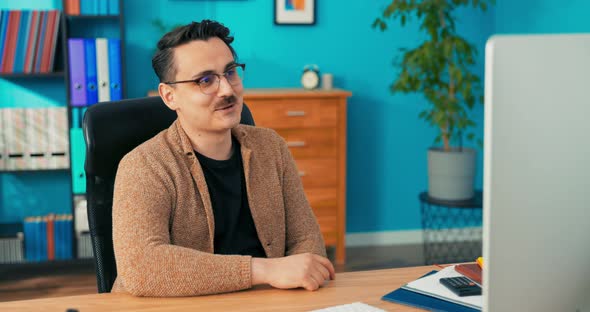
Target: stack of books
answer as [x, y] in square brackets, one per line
[91, 7]
[48, 238]
[428, 293]
[28, 40]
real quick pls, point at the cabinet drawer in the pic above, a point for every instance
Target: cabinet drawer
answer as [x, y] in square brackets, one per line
[323, 201]
[294, 113]
[318, 172]
[329, 229]
[308, 143]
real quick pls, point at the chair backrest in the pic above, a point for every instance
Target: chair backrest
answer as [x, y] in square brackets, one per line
[111, 130]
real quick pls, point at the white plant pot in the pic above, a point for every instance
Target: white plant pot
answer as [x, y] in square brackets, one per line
[451, 175]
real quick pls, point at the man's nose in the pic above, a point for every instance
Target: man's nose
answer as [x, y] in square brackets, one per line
[224, 87]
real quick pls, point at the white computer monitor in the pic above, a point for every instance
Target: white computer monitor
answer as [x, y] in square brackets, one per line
[536, 227]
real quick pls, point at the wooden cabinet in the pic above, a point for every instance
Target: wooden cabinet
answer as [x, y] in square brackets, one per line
[314, 125]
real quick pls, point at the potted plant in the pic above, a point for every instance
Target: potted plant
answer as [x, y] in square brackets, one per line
[440, 68]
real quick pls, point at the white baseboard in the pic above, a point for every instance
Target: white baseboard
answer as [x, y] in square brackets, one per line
[409, 237]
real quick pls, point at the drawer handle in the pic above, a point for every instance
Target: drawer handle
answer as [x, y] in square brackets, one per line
[296, 143]
[295, 113]
[301, 173]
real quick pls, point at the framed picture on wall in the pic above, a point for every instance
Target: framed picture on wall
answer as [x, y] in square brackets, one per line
[295, 12]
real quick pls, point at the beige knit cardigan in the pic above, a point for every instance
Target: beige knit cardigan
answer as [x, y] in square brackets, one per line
[163, 225]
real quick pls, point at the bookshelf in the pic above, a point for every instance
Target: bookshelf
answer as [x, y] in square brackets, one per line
[51, 75]
[56, 85]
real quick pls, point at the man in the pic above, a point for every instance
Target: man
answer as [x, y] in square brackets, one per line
[209, 205]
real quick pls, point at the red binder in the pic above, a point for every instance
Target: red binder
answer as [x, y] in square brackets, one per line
[11, 39]
[50, 237]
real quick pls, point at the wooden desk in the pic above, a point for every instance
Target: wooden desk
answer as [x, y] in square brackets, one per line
[364, 286]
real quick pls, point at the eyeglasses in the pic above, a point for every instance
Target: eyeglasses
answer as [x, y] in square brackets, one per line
[209, 83]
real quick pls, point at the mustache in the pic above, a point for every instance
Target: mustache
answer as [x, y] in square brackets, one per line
[226, 101]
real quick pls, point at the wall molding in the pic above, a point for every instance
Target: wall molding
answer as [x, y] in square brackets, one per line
[410, 237]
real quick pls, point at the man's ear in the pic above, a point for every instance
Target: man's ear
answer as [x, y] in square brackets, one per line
[167, 94]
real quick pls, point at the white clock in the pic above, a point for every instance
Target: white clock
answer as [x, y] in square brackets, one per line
[310, 79]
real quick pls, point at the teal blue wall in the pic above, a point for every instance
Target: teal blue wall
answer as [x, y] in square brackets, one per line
[542, 16]
[386, 141]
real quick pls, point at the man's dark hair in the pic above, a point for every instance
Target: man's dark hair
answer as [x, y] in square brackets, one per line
[163, 60]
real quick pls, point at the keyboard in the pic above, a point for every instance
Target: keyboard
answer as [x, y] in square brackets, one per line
[351, 307]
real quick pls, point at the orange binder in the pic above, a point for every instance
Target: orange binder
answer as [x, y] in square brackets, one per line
[470, 270]
[50, 239]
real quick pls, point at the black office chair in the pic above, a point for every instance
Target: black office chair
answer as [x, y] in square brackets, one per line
[111, 130]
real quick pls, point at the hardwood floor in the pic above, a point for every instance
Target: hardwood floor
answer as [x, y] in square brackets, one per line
[44, 280]
[30, 281]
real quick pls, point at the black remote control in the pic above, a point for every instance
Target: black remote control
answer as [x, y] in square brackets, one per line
[462, 286]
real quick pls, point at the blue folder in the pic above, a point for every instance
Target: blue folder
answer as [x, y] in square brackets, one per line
[68, 239]
[60, 241]
[103, 7]
[36, 247]
[29, 238]
[77, 62]
[3, 29]
[91, 82]
[21, 45]
[87, 7]
[113, 7]
[78, 156]
[114, 47]
[57, 238]
[410, 298]
[43, 241]
[43, 17]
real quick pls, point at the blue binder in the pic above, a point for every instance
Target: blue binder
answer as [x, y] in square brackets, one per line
[75, 118]
[113, 7]
[44, 16]
[43, 240]
[21, 43]
[421, 301]
[56, 238]
[37, 243]
[87, 7]
[29, 236]
[77, 60]
[62, 238]
[103, 7]
[68, 238]
[114, 46]
[78, 157]
[3, 29]
[35, 253]
[91, 83]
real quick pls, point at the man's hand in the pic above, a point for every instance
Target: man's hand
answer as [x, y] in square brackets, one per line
[303, 270]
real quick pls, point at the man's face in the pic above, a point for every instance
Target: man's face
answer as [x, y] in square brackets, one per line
[200, 112]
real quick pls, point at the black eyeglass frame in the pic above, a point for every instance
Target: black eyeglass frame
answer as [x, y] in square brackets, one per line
[196, 80]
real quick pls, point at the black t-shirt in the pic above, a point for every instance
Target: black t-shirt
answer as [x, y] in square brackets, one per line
[235, 233]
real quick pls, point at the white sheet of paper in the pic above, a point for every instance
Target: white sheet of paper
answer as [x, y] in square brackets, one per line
[431, 286]
[351, 307]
